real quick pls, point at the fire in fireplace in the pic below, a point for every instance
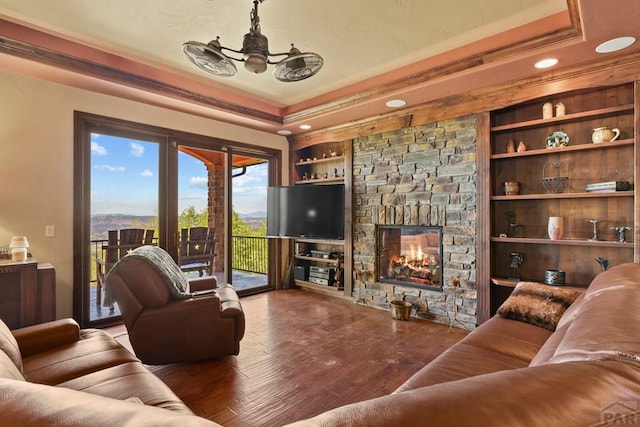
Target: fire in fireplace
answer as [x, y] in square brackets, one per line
[410, 255]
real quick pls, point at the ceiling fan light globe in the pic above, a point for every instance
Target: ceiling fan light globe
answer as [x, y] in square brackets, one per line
[255, 63]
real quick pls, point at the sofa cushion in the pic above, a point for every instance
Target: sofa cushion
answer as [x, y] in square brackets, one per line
[458, 362]
[509, 337]
[27, 404]
[129, 380]
[94, 350]
[9, 345]
[537, 304]
[498, 344]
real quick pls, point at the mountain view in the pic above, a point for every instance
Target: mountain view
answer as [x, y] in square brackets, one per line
[102, 223]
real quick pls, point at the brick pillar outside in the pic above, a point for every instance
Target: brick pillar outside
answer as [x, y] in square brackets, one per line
[216, 206]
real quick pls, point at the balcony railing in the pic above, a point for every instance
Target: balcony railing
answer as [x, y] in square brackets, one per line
[249, 254]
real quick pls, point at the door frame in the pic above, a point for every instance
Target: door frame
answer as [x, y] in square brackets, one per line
[169, 139]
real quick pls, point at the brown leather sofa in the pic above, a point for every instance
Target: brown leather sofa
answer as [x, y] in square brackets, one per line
[514, 373]
[171, 319]
[57, 374]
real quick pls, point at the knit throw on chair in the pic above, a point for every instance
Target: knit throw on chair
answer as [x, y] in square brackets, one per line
[163, 264]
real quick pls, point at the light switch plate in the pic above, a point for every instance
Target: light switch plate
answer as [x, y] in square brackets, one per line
[49, 231]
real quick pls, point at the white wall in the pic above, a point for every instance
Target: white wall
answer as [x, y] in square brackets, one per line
[36, 161]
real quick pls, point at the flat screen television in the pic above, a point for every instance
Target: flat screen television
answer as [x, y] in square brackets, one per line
[311, 211]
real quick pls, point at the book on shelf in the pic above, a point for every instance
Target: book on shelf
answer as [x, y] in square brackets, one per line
[609, 186]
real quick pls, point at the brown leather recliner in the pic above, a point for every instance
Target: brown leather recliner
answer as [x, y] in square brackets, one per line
[169, 318]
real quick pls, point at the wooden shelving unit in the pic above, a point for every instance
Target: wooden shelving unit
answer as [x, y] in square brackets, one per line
[586, 162]
[318, 164]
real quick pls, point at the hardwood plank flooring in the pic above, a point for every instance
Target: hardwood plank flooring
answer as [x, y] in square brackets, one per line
[302, 354]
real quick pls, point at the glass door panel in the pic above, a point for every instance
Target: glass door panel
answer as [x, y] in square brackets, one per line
[250, 249]
[124, 196]
[201, 232]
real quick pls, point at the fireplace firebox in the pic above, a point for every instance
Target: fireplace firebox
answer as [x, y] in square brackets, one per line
[410, 255]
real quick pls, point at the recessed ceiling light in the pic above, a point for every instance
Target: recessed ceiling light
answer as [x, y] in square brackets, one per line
[615, 45]
[546, 63]
[284, 132]
[396, 103]
[305, 127]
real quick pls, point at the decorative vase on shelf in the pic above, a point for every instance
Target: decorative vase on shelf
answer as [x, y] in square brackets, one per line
[560, 109]
[511, 146]
[604, 134]
[521, 147]
[555, 228]
[547, 110]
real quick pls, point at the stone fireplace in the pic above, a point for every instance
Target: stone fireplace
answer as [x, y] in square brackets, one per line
[409, 255]
[421, 175]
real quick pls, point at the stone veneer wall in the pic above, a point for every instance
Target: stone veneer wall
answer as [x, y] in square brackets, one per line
[422, 175]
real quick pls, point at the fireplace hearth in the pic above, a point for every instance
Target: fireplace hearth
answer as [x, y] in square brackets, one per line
[410, 255]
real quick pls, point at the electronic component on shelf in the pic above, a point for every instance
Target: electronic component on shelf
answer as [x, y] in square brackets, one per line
[322, 275]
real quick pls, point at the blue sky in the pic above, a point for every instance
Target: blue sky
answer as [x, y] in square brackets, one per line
[124, 176]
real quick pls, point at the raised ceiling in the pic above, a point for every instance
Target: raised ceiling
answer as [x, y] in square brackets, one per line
[418, 50]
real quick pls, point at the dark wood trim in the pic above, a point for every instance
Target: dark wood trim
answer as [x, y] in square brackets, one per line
[76, 64]
[483, 231]
[636, 187]
[612, 70]
[348, 218]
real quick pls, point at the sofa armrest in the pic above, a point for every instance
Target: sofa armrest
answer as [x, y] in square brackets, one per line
[23, 403]
[44, 336]
[198, 284]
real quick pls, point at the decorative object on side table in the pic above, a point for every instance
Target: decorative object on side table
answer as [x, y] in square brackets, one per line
[604, 134]
[554, 277]
[555, 227]
[555, 176]
[516, 259]
[557, 139]
[19, 245]
[595, 236]
[622, 232]
[604, 263]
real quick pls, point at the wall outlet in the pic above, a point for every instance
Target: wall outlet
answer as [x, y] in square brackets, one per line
[49, 231]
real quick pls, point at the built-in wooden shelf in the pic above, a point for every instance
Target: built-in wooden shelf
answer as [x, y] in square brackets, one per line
[564, 242]
[585, 195]
[329, 290]
[568, 149]
[316, 259]
[322, 160]
[321, 180]
[511, 283]
[600, 112]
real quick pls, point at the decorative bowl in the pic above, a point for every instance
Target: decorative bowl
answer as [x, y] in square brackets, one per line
[557, 139]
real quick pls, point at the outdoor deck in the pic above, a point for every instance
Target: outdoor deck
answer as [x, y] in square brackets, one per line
[241, 281]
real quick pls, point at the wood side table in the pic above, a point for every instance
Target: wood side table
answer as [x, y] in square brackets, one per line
[27, 293]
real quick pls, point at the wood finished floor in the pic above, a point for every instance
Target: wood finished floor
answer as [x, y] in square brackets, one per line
[304, 353]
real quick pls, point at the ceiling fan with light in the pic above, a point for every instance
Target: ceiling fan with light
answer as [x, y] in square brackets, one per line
[255, 55]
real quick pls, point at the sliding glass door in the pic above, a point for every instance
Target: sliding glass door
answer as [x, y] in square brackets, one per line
[201, 199]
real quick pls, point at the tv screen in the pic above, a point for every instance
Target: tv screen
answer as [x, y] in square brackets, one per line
[312, 211]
